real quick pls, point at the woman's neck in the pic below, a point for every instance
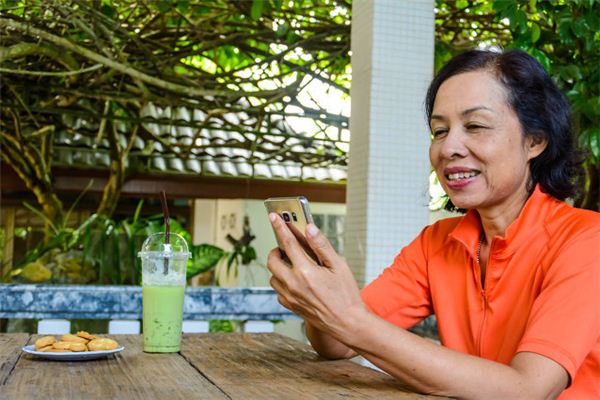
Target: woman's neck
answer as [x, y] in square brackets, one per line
[496, 220]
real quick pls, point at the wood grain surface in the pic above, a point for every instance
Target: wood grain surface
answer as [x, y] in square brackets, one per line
[271, 366]
[10, 352]
[131, 374]
[209, 366]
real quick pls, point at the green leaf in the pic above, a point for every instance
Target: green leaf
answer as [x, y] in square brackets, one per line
[218, 325]
[107, 10]
[183, 6]
[520, 23]
[591, 108]
[570, 72]
[291, 37]
[460, 4]
[83, 192]
[578, 27]
[41, 215]
[20, 232]
[502, 6]
[564, 32]
[200, 10]
[204, 257]
[257, 9]
[593, 136]
[164, 6]
[593, 21]
[535, 32]
[138, 210]
[541, 57]
[282, 30]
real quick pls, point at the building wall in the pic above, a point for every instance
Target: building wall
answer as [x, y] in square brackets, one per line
[392, 65]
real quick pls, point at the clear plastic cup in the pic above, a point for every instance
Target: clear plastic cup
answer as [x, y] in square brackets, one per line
[163, 290]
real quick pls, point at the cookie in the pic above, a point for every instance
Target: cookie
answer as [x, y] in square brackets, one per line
[102, 344]
[53, 350]
[44, 349]
[86, 335]
[71, 346]
[77, 347]
[73, 338]
[44, 341]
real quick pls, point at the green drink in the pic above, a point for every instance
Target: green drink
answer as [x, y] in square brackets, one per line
[162, 309]
[163, 291]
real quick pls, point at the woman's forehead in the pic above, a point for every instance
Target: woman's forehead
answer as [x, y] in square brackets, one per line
[475, 90]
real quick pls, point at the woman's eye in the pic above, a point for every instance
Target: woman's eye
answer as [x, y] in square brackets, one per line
[473, 127]
[438, 132]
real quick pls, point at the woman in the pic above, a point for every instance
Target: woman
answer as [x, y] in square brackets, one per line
[514, 283]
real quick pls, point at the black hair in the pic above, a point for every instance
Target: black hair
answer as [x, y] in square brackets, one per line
[543, 111]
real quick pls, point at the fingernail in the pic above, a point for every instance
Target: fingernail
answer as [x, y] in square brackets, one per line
[312, 230]
[272, 217]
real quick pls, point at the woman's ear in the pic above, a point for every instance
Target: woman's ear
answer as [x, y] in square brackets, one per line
[535, 145]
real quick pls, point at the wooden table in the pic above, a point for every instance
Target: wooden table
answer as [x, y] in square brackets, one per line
[209, 366]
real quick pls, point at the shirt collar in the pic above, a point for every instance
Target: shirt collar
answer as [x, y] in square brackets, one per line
[529, 222]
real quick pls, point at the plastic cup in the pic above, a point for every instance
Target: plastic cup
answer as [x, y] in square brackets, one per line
[163, 291]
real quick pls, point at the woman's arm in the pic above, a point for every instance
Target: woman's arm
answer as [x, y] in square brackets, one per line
[328, 299]
[433, 369]
[326, 345]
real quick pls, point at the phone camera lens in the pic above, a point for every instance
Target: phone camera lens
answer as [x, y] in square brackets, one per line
[286, 216]
[294, 216]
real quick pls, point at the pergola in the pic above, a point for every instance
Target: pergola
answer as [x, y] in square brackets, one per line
[173, 133]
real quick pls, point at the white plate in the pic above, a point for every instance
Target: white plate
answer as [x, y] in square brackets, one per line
[74, 356]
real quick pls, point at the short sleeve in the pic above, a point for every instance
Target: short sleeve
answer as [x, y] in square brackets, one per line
[564, 323]
[401, 294]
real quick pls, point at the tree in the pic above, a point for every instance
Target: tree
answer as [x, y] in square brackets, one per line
[241, 64]
[104, 61]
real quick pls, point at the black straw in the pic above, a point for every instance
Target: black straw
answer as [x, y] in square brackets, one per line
[165, 208]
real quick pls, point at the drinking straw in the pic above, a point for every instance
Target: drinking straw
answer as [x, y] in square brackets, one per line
[165, 208]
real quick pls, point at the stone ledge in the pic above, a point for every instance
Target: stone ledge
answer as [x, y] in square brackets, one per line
[125, 302]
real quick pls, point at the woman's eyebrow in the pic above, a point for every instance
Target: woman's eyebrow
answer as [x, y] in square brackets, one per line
[464, 113]
[478, 108]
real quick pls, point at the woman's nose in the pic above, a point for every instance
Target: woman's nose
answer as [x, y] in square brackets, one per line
[453, 144]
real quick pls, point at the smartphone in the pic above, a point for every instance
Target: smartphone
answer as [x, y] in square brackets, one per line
[295, 212]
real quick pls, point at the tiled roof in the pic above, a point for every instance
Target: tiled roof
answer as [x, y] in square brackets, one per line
[182, 141]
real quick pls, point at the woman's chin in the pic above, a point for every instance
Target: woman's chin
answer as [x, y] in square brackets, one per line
[463, 203]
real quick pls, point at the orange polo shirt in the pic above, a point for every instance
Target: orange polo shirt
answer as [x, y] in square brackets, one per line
[541, 294]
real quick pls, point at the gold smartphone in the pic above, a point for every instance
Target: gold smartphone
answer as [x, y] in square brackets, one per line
[295, 212]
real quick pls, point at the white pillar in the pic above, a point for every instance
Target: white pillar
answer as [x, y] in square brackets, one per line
[392, 65]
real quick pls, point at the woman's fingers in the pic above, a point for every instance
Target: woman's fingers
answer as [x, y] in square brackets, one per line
[321, 246]
[278, 267]
[291, 246]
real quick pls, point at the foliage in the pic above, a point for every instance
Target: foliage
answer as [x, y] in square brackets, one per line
[221, 325]
[104, 251]
[564, 36]
[91, 68]
[246, 66]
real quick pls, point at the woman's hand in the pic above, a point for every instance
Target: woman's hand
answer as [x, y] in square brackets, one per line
[326, 295]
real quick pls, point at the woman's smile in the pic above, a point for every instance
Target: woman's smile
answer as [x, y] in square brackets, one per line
[459, 177]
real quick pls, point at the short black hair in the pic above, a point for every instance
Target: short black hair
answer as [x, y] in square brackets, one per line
[541, 108]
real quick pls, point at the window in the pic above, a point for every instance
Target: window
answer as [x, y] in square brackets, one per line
[332, 226]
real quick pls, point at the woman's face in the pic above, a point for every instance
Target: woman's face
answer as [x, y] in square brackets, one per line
[479, 152]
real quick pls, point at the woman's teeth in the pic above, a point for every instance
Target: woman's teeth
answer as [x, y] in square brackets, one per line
[462, 175]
